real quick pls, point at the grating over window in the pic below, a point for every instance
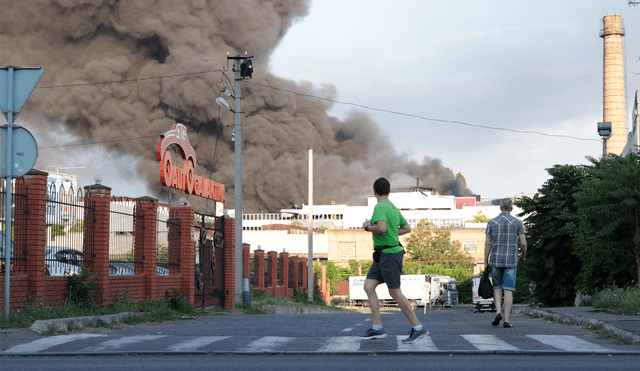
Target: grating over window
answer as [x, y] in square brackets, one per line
[470, 246]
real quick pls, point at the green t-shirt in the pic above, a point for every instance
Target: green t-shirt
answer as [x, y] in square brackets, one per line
[389, 213]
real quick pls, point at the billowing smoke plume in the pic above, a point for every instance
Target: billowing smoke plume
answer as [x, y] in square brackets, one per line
[89, 41]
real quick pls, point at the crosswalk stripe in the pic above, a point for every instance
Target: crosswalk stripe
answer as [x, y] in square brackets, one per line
[568, 342]
[341, 344]
[425, 344]
[267, 344]
[119, 343]
[196, 343]
[488, 342]
[45, 343]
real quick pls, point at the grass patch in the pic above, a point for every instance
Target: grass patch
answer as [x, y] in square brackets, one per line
[259, 298]
[615, 300]
[154, 311]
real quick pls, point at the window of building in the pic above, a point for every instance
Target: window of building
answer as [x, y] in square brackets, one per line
[470, 246]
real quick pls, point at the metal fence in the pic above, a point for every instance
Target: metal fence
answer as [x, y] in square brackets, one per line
[65, 246]
[167, 242]
[18, 228]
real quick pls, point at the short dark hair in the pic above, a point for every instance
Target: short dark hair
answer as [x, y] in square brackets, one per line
[381, 187]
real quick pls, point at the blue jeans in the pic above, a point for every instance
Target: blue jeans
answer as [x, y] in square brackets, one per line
[504, 278]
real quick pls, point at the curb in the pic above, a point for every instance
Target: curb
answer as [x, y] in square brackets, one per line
[570, 319]
[68, 324]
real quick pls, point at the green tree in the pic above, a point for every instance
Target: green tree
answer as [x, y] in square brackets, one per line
[430, 244]
[609, 225]
[480, 218]
[551, 221]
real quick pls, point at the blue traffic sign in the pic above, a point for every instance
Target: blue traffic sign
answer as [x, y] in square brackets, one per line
[16, 84]
[24, 151]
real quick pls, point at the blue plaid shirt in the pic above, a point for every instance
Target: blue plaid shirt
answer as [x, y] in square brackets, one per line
[504, 230]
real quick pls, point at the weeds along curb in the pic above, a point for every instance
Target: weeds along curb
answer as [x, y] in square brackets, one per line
[68, 324]
[569, 319]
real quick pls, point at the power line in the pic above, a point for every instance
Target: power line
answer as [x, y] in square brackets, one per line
[313, 97]
[101, 142]
[127, 80]
[422, 117]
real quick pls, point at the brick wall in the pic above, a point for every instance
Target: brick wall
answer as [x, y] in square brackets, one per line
[31, 285]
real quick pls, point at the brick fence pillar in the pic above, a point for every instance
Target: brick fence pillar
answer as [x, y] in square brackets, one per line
[258, 268]
[295, 272]
[180, 230]
[31, 215]
[246, 260]
[229, 263]
[305, 273]
[272, 272]
[285, 275]
[95, 248]
[145, 244]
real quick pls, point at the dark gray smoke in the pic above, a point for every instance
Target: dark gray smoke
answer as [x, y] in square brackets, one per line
[88, 41]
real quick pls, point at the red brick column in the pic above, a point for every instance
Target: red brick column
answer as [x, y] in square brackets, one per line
[31, 214]
[258, 268]
[183, 215]
[285, 275]
[272, 272]
[229, 263]
[246, 261]
[145, 245]
[295, 274]
[97, 200]
[305, 273]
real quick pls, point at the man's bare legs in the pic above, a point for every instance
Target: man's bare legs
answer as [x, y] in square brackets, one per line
[374, 303]
[404, 305]
[508, 302]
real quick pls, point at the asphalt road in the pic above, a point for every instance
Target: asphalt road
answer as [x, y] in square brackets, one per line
[456, 331]
[325, 362]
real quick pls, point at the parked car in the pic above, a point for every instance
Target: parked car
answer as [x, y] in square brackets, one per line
[127, 269]
[62, 261]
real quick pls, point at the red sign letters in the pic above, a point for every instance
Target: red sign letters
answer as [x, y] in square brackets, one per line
[185, 178]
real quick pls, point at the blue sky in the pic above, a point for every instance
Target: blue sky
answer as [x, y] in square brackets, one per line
[529, 66]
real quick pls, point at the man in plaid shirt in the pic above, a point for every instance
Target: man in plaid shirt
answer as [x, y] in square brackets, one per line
[502, 237]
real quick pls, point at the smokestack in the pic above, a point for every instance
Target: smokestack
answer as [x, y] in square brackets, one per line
[614, 82]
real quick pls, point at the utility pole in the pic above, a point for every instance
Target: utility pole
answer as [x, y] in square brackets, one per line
[243, 68]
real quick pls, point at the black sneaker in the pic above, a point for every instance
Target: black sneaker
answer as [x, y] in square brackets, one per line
[496, 321]
[507, 325]
[374, 334]
[415, 336]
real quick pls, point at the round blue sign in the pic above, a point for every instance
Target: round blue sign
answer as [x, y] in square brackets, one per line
[24, 151]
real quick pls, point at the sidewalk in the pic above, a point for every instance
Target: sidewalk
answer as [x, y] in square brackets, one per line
[625, 327]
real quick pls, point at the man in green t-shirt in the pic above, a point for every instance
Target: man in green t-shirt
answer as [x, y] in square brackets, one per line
[386, 224]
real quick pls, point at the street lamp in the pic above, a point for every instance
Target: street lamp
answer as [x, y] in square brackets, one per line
[604, 130]
[243, 68]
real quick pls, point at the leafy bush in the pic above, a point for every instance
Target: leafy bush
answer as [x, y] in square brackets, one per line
[57, 230]
[617, 300]
[83, 289]
[177, 301]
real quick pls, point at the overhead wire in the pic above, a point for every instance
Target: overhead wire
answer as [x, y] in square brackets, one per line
[224, 76]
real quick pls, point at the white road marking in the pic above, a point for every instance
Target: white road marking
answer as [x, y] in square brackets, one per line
[196, 343]
[347, 329]
[122, 342]
[425, 344]
[569, 342]
[44, 343]
[341, 344]
[488, 342]
[267, 344]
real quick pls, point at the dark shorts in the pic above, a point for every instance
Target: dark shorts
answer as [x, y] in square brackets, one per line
[388, 270]
[504, 278]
